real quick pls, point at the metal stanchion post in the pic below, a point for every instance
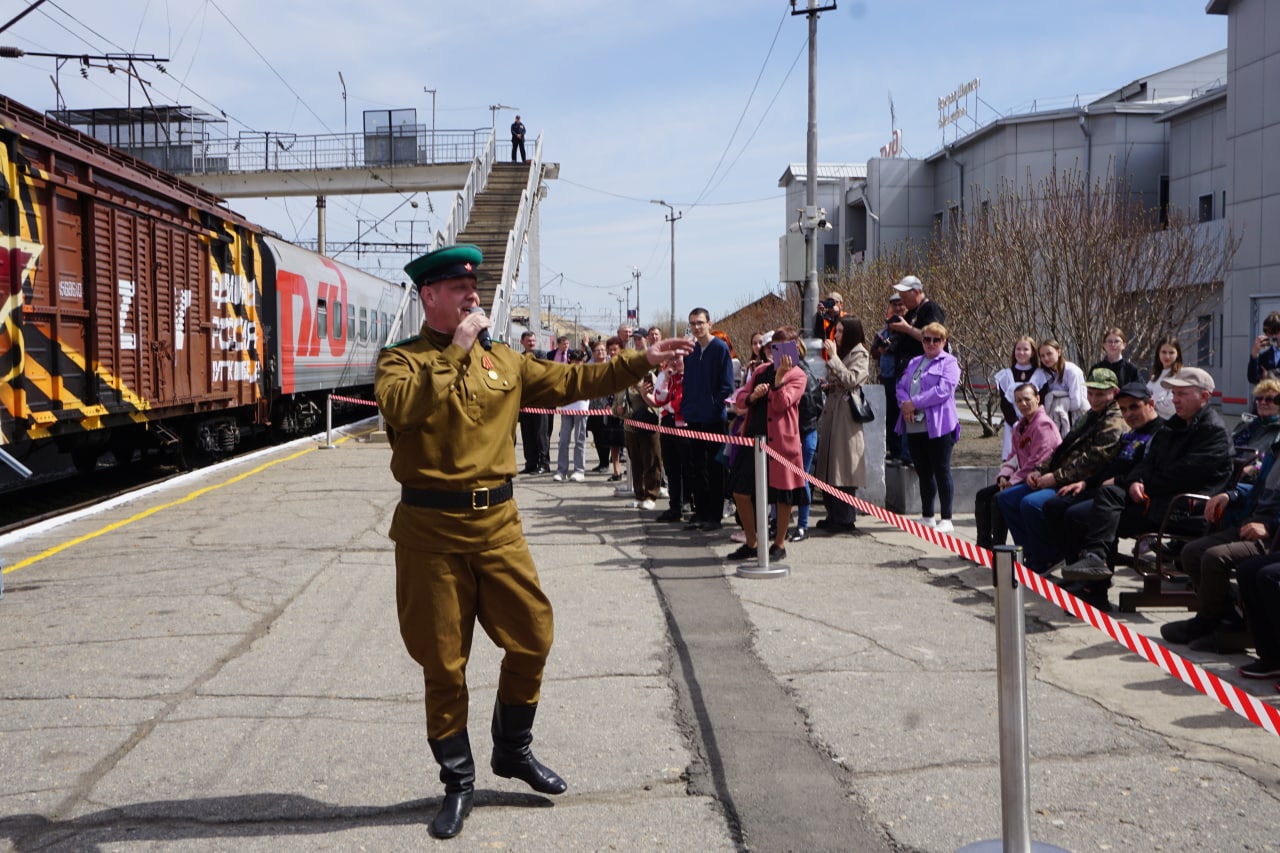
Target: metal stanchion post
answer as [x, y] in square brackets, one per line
[1011, 673]
[328, 423]
[762, 569]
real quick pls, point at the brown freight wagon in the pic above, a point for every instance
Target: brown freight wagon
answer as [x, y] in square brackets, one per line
[106, 274]
[138, 312]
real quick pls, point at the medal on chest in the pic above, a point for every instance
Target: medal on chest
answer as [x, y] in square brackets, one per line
[487, 363]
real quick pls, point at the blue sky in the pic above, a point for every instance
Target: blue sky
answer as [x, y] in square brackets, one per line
[636, 99]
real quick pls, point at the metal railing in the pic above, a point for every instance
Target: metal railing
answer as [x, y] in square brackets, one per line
[272, 151]
[515, 242]
[460, 212]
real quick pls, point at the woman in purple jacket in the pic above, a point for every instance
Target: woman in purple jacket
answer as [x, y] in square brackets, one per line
[1035, 436]
[927, 418]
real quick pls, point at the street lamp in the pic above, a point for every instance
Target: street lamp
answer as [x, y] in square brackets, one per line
[345, 142]
[635, 273]
[671, 217]
[493, 115]
[432, 92]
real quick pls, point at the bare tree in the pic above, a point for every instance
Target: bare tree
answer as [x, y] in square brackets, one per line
[1061, 259]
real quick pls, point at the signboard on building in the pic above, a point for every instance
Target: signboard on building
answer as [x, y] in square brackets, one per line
[894, 148]
[950, 109]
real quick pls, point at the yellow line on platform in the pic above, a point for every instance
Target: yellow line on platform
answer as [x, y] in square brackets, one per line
[22, 564]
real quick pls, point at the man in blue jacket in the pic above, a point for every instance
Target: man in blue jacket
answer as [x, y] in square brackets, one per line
[708, 381]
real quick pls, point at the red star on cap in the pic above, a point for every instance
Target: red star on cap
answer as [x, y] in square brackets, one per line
[467, 266]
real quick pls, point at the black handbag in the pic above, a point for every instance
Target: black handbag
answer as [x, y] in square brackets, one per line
[859, 408]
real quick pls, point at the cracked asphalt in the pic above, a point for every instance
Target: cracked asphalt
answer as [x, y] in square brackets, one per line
[215, 665]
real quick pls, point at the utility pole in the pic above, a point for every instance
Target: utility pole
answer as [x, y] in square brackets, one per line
[672, 217]
[809, 302]
[635, 273]
[627, 288]
[619, 298]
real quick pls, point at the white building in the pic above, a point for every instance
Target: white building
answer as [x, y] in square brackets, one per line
[1203, 137]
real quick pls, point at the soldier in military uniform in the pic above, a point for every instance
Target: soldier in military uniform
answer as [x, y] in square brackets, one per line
[451, 406]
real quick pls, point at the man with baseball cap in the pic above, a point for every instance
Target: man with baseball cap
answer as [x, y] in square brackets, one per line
[921, 311]
[1191, 454]
[1066, 516]
[883, 348]
[829, 314]
[451, 405]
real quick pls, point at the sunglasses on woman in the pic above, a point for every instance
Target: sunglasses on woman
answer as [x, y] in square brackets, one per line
[932, 340]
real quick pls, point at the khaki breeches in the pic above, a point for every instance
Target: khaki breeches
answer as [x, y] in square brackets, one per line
[440, 597]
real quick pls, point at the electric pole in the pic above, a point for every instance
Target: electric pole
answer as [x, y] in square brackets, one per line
[809, 302]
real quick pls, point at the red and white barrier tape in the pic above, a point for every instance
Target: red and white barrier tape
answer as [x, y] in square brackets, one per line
[1245, 704]
[356, 400]
[536, 410]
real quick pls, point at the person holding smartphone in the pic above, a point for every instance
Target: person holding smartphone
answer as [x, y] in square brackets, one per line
[1264, 358]
[770, 401]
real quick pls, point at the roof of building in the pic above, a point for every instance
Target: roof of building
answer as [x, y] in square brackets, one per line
[1174, 84]
[1217, 93]
[1155, 93]
[826, 172]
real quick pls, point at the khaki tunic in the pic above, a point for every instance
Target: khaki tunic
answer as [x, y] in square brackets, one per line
[451, 419]
[841, 448]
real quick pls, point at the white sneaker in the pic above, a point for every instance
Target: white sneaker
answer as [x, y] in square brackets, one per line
[944, 526]
[927, 521]
[557, 478]
[577, 476]
[663, 493]
[648, 504]
[634, 504]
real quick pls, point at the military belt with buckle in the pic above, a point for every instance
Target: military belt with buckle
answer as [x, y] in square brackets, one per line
[475, 499]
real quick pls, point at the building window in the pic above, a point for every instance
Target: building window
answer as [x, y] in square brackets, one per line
[1206, 207]
[831, 258]
[1164, 201]
[1204, 340]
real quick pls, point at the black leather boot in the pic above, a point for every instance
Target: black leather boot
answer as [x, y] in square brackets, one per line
[458, 773]
[512, 758]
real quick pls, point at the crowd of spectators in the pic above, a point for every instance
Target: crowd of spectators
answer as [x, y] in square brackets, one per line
[1088, 459]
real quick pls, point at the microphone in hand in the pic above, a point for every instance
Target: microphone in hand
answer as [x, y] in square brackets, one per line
[483, 338]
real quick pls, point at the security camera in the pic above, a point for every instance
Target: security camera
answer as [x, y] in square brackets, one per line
[824, 225]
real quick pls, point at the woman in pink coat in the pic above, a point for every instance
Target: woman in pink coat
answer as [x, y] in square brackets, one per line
[770, 401]
[1035, 437]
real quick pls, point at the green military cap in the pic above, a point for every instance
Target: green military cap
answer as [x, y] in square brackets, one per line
[1102, 378]
[450, 262]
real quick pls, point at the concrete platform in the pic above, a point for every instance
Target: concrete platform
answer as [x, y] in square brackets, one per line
[215, 665]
